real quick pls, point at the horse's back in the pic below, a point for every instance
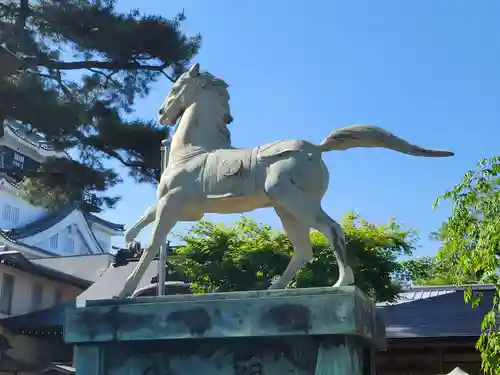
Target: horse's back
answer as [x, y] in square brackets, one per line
[238, 172]
[230, 173]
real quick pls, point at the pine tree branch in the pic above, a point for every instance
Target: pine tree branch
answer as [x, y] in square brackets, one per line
[91, 64]
[109, 78]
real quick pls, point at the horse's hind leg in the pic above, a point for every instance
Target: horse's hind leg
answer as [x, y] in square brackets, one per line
[286, 195]
[298, 233]
[335, 235]
[167, 215]
[142, 223]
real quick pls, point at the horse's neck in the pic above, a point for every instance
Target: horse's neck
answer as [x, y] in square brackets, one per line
[200, 130]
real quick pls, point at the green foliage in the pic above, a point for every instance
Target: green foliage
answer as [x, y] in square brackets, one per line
[424, 271]
[471, 245]
[248, 255]
[84, 65]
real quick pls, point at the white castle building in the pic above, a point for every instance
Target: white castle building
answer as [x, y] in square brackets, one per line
[32, 230]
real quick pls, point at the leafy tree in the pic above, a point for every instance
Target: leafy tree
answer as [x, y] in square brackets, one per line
[84, 65]
[472, 246]
[248, 255]
[424, 271]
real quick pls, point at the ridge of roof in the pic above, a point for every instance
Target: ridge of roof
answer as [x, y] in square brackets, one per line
[423, 292]
[104, 222]
[55, 217]
[18, 260]
[452, 287]
[6, 236]
[42, 223]
[89, 267]
[31, 137]
[52, 218]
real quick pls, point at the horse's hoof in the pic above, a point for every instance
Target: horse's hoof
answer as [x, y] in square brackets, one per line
[120, 297]
[347, 279]
[276, 286]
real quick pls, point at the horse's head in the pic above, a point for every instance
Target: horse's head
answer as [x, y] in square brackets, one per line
[195, 87]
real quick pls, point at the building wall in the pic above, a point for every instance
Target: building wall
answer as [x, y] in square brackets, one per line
[34, 350]
[23, 286]
[14, 158]
[15, 212]
[429, 357]
[37, 351]
[65, 241]
[103, 237]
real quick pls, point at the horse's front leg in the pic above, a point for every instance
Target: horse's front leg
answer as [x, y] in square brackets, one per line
[143, 222]
[168, 212]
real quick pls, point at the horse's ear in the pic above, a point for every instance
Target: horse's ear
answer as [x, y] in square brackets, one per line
[194, 71]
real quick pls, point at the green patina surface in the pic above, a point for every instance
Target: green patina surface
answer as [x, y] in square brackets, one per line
[316, 331]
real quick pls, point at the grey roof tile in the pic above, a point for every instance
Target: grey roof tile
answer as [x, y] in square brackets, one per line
[435, 312]
[6, 237]
[87, 267]
[31, 137]
[106, 223]
[18, 260]
[44, 223]
[51, 219]
[113, 279]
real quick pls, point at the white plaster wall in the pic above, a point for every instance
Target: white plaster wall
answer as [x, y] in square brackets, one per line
[23, 282]
[103, 238]
[80, 233]
[27, 212]
[63, 247]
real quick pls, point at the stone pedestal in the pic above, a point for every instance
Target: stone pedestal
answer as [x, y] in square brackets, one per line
[314, 331]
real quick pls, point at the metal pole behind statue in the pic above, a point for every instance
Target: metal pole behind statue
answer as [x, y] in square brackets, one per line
[165, 149]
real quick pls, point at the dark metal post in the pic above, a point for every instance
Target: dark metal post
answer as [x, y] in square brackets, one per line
[165, 149]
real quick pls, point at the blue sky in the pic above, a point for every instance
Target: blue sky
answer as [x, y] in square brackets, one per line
[426, 70]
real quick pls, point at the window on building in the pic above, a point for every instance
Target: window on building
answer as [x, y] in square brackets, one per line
[36, 296]
[58, 296]
[6, 293]
[69, 244]
[54, 241]
[18, 160]
[10, 214]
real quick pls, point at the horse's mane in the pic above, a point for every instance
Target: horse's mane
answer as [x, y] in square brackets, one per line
[207, 79]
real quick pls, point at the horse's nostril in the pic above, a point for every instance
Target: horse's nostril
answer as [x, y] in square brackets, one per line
[161, 111]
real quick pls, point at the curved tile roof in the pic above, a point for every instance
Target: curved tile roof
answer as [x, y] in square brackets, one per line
[5, 235]
[106, 223]
[435, 312]
[31, 137]
[44, 223]
[53, 218]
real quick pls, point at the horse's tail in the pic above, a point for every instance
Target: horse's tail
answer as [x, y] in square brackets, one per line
[373, 136]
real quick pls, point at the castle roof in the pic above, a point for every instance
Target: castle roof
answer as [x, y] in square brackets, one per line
[53, 218]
